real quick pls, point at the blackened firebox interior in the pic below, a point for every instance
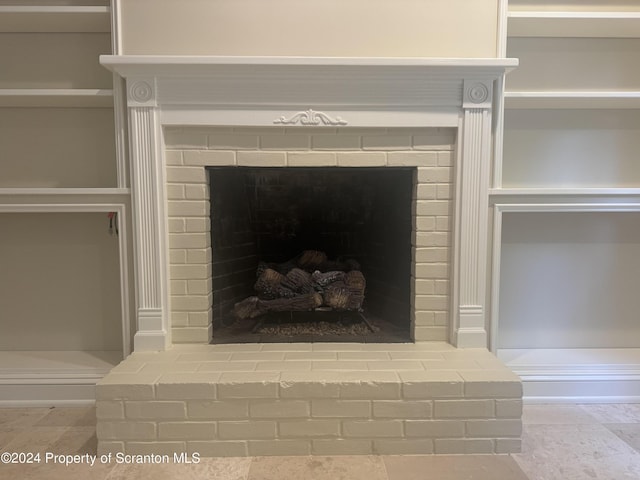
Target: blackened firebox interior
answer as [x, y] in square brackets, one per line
[267, 217]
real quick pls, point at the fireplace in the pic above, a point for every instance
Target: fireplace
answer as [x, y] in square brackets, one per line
[356, 219]
[404, 145]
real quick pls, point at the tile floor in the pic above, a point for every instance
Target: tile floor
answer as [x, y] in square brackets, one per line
[564, 442]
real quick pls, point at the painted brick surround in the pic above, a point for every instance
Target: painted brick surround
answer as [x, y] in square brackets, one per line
[189, 150]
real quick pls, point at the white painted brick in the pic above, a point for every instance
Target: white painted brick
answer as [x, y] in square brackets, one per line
[423, 319]
[179, 319]
[434, 175]
[442, 287]
[340, 365]
[443, 224]
[189, 240]
[178, 287]
[341, 447]
[186, 430]
[191, 335]
[175, 191]
[156, 410]
[370, 390]
[424, 191]
[361, 159]
[423, 287]
[285, 142]
[403, 447]
[258, 356]
[300, 130]
[198, 225]
[186, 175]
[431, 384]
[310, 355]
[431, 239]
[199, 255]
[155, 448]
[492, 383]
[173, 157]
[209, 158]
[232, 141]
[200, 319]
[116, 386]
[454, 446]
[431, 270]
[109, 410]
[247, 430]
[301, 389]
[198, 287]
[226, 366]
[336, 142]
[435, 428]
[431, 334]
[372, 428]
[217, 448]
[386, 142]
[441, 318]
[186, 386]
[424, 224]
[279, 447]
[412, 159]
[464, 409]
[494, 428]
[394, 365]
[508, 408]
[188, 208]
[438, 141]
[262, 159]
[309, 428]
[190, 303]
[431, 302]
[288, 366]
[126, 430]
[508, 445]
[433, 207]
[177, 256]
[402, 409]
[216, 410]
[341, 408]
[445, 159]
[248, 385]
[279, 409]
[431, 255]
[363, 356]
[187, 272]
[258, 130]
[179, 140]
[196, 192]
[444, 191]
[177, 225]
[312, 159]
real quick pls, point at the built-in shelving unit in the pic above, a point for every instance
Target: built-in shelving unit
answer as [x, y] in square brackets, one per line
[63, 189]
[566, 201]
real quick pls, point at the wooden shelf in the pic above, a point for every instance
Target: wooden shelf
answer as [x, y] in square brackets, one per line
[53, 198]
[553, 192]
[572, 100]
[573, 24]
[53, 97]
[60, 19]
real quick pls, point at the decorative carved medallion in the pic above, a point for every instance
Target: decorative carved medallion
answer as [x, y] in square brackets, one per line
[309, 117]
[141, 92]
[478, 93]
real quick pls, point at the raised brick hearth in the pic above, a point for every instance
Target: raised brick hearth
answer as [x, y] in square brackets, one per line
[301, 399]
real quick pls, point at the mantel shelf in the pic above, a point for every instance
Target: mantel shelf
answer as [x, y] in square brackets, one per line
[54, 19]
[572, 99]
[574, 24]
[56, 97]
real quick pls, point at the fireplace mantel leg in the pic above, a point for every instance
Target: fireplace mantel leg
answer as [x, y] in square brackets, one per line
[149, 218]
[469, 328]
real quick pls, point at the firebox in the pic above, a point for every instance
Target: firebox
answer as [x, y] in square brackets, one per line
[325, 225]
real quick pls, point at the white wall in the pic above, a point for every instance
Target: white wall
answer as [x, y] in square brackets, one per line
[422, 28]
[570, 280]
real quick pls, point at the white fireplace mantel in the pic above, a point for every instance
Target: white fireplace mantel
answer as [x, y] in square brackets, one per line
[329, 92]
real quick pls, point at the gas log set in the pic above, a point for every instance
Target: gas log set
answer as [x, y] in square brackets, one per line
[309, 281]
